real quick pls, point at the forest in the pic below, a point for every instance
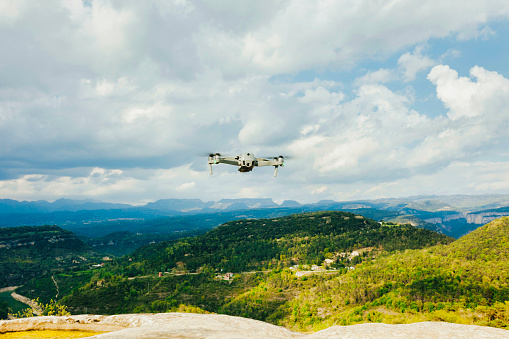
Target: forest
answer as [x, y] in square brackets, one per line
[4, 310]
[28, 252]
[261, 244]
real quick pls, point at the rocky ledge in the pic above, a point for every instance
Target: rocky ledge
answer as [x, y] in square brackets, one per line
[187, 325]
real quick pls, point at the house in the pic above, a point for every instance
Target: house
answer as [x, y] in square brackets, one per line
[328, 262]
[228, 276]
[316, 268]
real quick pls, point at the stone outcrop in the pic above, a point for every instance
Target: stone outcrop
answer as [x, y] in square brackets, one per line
[188, 325]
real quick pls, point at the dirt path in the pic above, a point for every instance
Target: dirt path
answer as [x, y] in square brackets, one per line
[56, 285]
[35, 307]
[8, 289]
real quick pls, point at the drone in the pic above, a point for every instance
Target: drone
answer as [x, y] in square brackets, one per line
[246, 162]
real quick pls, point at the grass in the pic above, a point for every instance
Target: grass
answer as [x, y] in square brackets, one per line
[49, 334]
[16, 306]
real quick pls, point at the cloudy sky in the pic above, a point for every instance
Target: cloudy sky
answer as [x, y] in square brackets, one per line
[118, 100]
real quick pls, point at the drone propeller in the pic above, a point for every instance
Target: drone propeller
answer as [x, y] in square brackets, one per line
[207, 154]
[282, 156]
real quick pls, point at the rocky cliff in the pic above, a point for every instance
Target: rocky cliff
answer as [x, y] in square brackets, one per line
[471, 218]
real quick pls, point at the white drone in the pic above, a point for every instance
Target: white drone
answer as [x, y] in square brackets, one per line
[246, 162]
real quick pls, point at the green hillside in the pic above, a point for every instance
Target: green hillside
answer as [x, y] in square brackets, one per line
[28, 252]
[466, 281]
[267, 246]
[125, 242]
[4, 310]
[307, 238]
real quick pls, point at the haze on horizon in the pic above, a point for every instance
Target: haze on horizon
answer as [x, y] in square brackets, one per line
[115, 100]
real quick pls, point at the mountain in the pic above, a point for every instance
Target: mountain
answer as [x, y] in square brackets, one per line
[304, 240]
[169, 206]
[183, 205]
[437, 203]
[28, 252]
[290, 203]
[41, 206]
[244, 204]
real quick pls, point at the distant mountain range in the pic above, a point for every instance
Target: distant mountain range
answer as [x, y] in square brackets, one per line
[428, 203]
[171, 206]
[453, 215]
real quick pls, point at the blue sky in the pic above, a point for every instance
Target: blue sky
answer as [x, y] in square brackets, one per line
[115, 100]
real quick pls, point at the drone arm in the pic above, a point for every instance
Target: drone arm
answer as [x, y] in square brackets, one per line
[265, 162]
[229, 161]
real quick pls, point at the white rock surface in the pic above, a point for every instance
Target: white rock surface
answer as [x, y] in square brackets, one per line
[212, 326]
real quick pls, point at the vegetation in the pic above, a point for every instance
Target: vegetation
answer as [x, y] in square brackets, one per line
[465, 282]
[4, 310]
[112, 294]
[51, 308]
[125, 242]
[30, 252]
[303, 239]
[45, 288]
[50, 334]
[399, 274]
[266, 245]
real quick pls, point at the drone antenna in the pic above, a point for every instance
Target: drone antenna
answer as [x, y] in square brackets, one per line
[210, 168]
[275, 170]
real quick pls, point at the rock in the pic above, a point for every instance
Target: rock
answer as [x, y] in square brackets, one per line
[188, 325]
[415, 330]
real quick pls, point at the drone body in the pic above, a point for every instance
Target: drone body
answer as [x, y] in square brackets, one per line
[246, 162]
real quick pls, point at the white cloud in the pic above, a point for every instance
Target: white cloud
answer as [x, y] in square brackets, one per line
[380, 76]
[141, 88]
[378, 137]
[185, 186]
[488, 96]
[10, 10]
[99, 183]
[338, 33]
[413, 63]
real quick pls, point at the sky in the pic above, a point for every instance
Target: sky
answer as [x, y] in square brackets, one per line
[121, 101]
